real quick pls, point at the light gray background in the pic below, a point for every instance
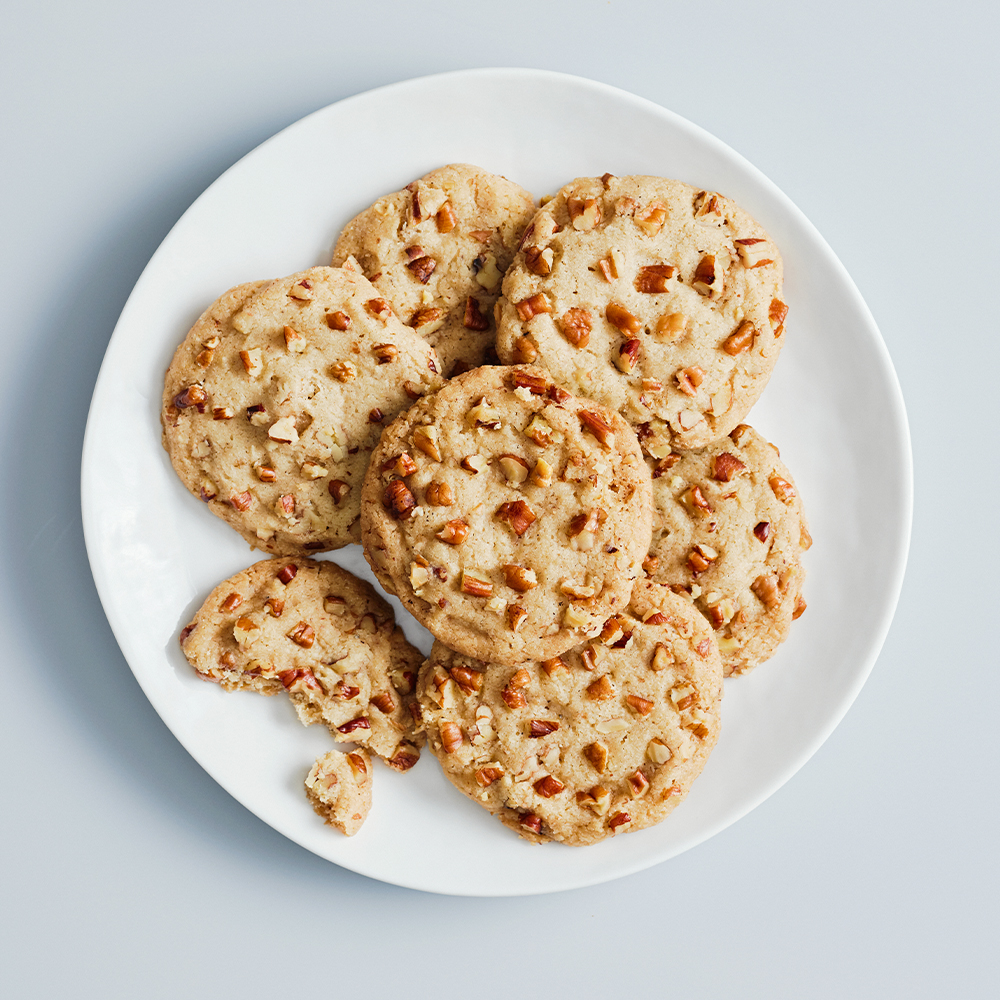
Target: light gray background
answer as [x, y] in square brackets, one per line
[127, 872]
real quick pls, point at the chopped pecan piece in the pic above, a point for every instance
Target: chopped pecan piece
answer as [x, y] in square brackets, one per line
[766, 589]
[520, 578]
[741, 340]
[641, 706]
[584, 213]
[776, 313]
[398, 499]
[532, 306]
[638, 784]
[597, 754]
[652, 221]
[475, 587]
[531, 822]
[241, 501]
[303, 635]
[535, 384]
[193, 395]
[725, 466]
[421, 265]
[338, 320]
[628, 356]
[707, 280]
[601, 689]
[541, 727]
[554, 665]
[524, 351]
[266, 474]
[287, 573]
[575, 326]
[425, 439]
[538, 260]
[737, 434]
[762, 530]
[274, 606]
[343, 371]
[467, 679]
[338, 489]
[223, 413]
[619, 819]
[597, 426]
[782, 489]
[688, 379]
[451, 736]
[474, 319]
[231, 603]
[385, 353]
[454, 532]
[379, 308]
[445, 218]
[514, 468]
[653, 278]
[800, 606]
[696, 499]
[649, 564]
[439, 494]
[754, 252]
[671, 326]
[548, 786]
[620, 318]
[700, 558]
[518, 515]
[383, 702]
[402, 464]
[485, 776]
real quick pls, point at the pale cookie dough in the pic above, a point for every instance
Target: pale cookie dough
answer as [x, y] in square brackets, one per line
[438, 250]
[653, 297]
[729, 532]
[605, 739]
[276, 397]
[339, 786]
[508, 516]
[320, 633]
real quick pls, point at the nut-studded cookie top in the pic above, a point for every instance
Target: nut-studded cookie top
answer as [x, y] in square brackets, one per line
[324, 636]
[729, 531]
[653, 297]
[508, 516]
[438, 250]
[276, 397]
[339, 786]
[604, 739]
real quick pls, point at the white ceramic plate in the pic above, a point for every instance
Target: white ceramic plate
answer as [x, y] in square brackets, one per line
[833, 406]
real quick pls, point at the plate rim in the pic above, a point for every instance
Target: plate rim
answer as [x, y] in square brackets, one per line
[902, 451]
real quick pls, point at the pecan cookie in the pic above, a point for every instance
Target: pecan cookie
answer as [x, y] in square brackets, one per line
[729, 531]
[604, 739]
[276, 397]
[438, 250]
[653, 297]
[339, 786]
[508, 516]
[324, 636]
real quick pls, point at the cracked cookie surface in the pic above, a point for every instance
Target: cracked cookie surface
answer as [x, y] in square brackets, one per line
[437, 250]
[729, 530]
[318, 632]
[657, 299]
[276, 397]
[509, 517]
[605, 739]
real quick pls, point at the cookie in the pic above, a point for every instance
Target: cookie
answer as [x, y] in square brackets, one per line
[318, 632]
[277, 395]
[509, 517]
[655, 298]
[729, 531]
[339, 786]
[602, 740]
[437, 251]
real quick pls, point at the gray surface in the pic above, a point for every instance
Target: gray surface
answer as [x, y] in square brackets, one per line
[127, 872]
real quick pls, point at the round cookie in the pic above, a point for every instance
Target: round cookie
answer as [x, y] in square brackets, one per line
[277, 395]
[509, 517]
[729, 532]
[437, 250]
[324, 636]
[602, 740]
[653, 297]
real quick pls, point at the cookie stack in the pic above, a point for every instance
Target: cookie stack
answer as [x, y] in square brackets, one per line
[532, 422]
